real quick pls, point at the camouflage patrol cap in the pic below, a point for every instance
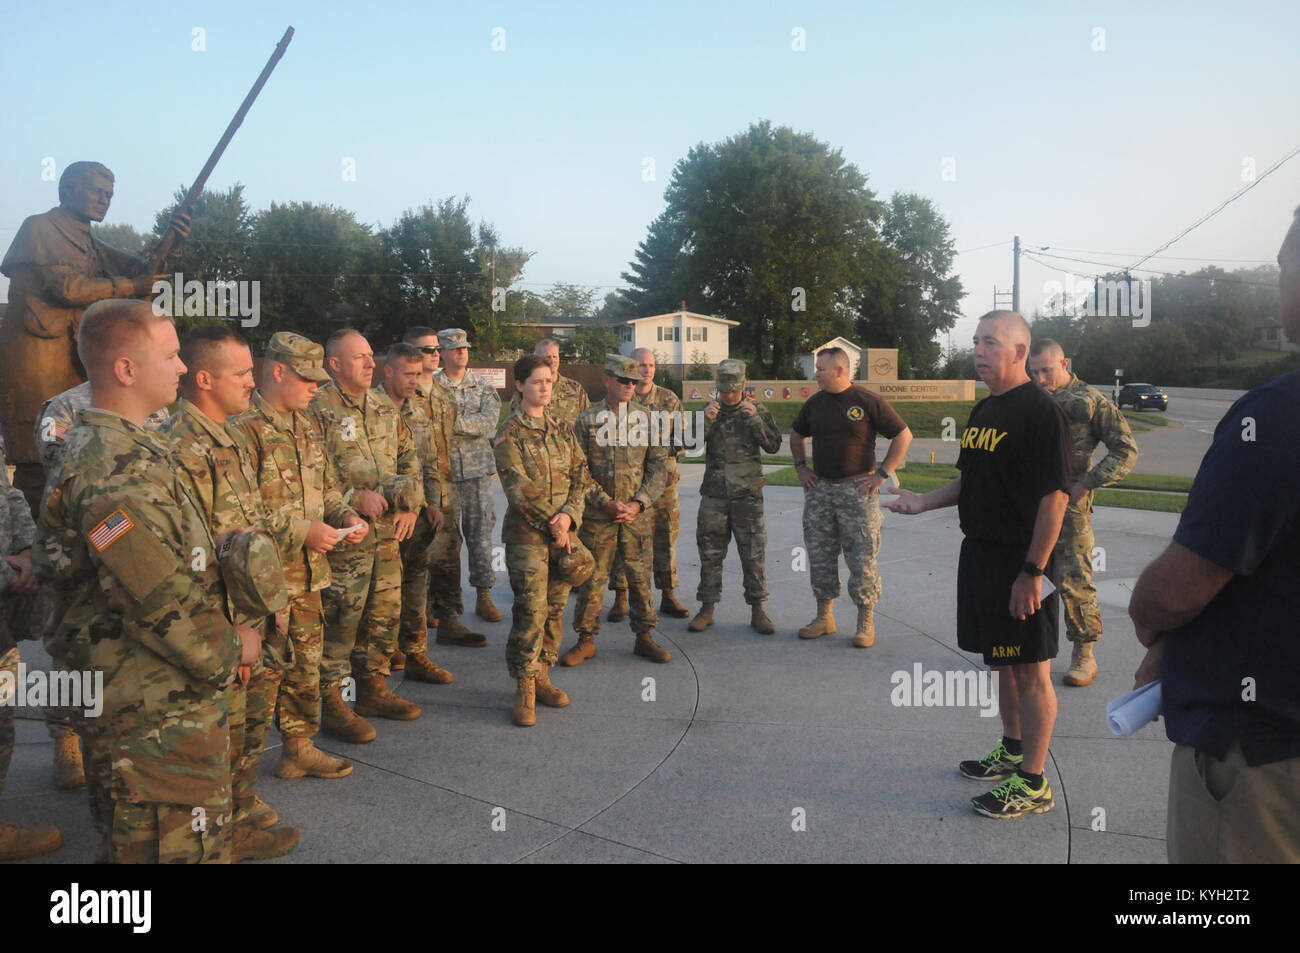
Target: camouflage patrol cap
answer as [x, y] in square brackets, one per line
[624, 368]
[305, 357]
[575, 568]
[452, 338]
[254, 576]
[731, 375]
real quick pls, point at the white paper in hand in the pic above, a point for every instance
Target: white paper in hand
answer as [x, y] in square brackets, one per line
[1128, 713]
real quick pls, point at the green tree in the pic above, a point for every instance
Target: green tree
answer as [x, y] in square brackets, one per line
[122, 237]
[589, 344]
[221, 233]
[766, 228]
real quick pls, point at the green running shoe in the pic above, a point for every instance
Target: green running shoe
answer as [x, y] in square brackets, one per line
[994, 766]
[1014, 798]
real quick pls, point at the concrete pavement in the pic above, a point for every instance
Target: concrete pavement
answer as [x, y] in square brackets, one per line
[731, 749]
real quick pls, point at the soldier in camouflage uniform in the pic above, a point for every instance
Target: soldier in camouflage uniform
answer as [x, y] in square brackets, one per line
[305, 501]
[142, 599]
[736, 433]
[57, 416]
[472, 463]
[17, 592]
[212, 456]
[568, 397]
[666, 512]
[629, 474]
[1093, 419]
[544, 474]
[401, 374]
[373, 452]
[445, 602]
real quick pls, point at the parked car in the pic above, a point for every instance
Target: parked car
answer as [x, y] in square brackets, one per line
[1143, 397]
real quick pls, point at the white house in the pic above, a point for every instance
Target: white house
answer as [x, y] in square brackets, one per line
[678, 337]
[807, 362]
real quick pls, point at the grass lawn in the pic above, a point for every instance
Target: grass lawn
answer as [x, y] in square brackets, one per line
[1138, 492]
[1139, 422]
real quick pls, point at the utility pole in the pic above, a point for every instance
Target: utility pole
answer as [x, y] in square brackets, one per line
[1015, 277]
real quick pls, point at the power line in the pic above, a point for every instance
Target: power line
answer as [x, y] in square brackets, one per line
[1226, 278]
[1130, 254]
[967, 251]
[1222, 205]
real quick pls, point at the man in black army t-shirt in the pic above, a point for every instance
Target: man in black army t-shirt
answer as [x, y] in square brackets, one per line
[1011, 495]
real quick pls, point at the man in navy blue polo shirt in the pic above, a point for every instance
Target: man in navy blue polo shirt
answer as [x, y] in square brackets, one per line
[1217, 612]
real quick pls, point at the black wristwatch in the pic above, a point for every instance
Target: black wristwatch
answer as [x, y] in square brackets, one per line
[1030, 569]
[883, 473]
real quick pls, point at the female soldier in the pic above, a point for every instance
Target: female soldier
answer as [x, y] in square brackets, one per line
[544, 474]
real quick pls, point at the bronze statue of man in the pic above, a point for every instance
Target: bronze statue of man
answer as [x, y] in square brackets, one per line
[56, 270]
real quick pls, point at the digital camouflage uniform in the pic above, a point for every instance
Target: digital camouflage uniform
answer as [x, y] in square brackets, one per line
[568, 399]
[414, 627]
[372, 449]
[623, 470]
[473, 464]
[57, 416]
[1093, 419]
[731, 499]
[142, 600]
[666, 513]
[223, 483]
[544, 473]
[445, 598]
[17, 532]
[298, 485]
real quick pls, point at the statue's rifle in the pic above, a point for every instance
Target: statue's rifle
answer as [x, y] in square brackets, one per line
[168, 243]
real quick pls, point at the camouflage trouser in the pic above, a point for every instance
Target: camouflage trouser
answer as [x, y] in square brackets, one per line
[363, 608]
[445, 599]
[541, 577]
[1074, 556]
[667, 523]
[413, 634]
[721, 518]
[477, 520]
[606, 540]
[251, 709]
[170, 785]
[837, 518]
[8, 663]
[299, 692]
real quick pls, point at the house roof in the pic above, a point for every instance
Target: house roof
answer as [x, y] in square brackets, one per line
[685, 314]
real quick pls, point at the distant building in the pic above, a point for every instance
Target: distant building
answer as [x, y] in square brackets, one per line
[1270, 334]
[807, 362]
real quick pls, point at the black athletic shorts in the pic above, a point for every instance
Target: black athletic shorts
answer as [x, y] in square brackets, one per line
[985, 574]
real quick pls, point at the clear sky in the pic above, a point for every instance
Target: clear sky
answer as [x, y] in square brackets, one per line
[1108, 141]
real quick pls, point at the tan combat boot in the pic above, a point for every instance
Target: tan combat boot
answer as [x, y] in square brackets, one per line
[339, 721]
[300, 758]
[1083, 667]
[17, 843]
[703, 619]
[262, 815]
[759, 621]
[548, 694]
[420, 668]
[646, 648]
[669, 605]
[484, 608]
[376, 699]
[451, 632]
[585, 649]
[822, 624]
[252, 844]
[397, 661]
[69, 774]
[524, 713]
[618, 612]
[865, 637]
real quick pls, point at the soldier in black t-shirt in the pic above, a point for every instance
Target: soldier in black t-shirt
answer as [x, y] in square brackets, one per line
[1011, 495]
[841, 509]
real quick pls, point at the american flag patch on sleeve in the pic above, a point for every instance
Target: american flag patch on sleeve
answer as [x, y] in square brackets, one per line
[60, 431]
[113, 527]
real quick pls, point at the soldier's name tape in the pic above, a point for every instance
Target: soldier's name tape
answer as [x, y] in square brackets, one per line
[677, 429]
[40, 689]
